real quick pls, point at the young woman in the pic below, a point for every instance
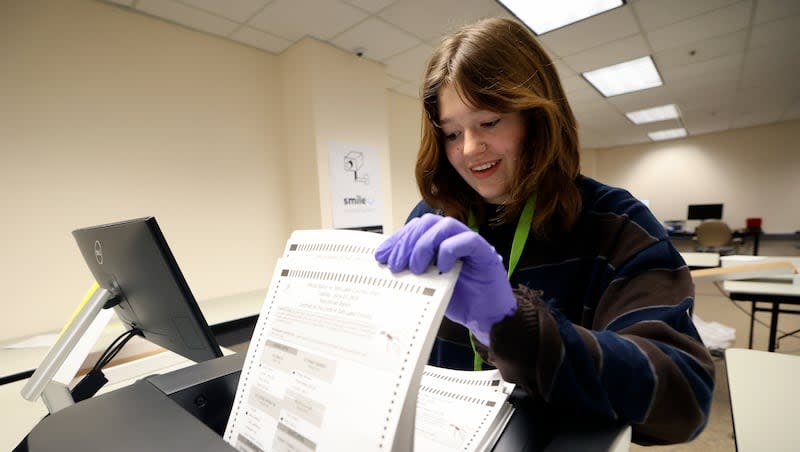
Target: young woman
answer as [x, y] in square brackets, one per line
[569, 287]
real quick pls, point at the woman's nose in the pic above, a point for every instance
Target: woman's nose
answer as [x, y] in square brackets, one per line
[473, 143]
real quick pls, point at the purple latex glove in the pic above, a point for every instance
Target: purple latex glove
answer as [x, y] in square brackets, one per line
[482, 295]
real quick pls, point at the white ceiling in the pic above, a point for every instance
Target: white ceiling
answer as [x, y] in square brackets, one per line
[726, 63]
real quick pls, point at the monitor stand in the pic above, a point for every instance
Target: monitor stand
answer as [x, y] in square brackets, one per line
[56, 395]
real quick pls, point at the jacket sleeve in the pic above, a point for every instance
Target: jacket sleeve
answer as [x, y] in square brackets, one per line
[637, 360]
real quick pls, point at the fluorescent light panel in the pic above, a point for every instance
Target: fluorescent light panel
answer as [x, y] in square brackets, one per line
[654, 114]
[625, 77]
[667, 134]
[546, 15]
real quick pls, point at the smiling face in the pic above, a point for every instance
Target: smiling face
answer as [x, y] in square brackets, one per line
[481, 145]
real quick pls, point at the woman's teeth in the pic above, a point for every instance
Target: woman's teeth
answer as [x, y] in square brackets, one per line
[484, 167]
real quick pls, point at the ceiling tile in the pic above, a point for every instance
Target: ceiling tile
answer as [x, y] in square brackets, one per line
[378, 39]
[592, 32]
[574, 83]
[372, 6]
[709, 25]
[293, 19]
[599, 116]
[655, 14]
[704, 94]
[728, 44]
[772, 67]
[564, 70]
[430, 20]
[719, 69]
[614, 52]
[584, 95]
[186, 15]
[237, 10]
[628, 138]
[599, 107]
[121, 2]
[756, 117]
[409, 65]
[769, 10]
[706, 121]
[765, 99]
[779, 32]
[261, 40]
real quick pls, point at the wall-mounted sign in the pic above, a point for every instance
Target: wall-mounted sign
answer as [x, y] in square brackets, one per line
[355, 176]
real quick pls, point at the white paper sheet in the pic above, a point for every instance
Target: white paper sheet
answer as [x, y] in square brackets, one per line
[336, 348]
[460, 410]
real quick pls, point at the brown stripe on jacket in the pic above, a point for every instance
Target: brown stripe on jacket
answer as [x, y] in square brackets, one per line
[668, 287]
[674, 413]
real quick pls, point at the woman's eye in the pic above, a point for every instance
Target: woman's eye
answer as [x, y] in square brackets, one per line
[490, 124]
[451, 136]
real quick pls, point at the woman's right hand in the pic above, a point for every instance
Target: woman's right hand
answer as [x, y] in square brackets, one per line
[482, 295]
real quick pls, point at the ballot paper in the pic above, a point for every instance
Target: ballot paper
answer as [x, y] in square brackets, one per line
[461, 410]
[337, 355]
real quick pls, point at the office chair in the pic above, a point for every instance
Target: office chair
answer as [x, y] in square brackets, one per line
[715, 236]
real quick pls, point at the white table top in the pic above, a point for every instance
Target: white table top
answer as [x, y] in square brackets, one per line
[764, 399]
[701, 259]
[740, 259]
[770, 285]
[779, 287]
[215, 310]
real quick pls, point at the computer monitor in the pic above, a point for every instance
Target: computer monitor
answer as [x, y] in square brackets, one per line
[704, 211]
[131, 260]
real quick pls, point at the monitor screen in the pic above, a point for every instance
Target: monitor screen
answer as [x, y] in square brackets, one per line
[131, 259]
[705, 211]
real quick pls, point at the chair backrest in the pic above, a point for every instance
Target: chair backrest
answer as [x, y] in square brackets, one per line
[713, 233]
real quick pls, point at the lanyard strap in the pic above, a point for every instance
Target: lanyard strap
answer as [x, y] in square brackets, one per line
[517, 245]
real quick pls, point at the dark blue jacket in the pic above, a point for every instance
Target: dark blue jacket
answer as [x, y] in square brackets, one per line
[605, 331]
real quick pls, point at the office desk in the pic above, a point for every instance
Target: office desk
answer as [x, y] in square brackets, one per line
[764, 399]
[221, 313]
[742, 234]
[774, 291]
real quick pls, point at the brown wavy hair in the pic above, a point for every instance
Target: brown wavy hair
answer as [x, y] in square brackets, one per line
[497, 65]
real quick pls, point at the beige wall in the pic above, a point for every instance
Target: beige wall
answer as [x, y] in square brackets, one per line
[405, 116]
[754, 172]
[348, 107]
[107, 115]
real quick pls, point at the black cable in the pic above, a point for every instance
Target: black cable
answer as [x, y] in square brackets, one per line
[110, 352]
[110, 347]
[117, 349]
[95, 379]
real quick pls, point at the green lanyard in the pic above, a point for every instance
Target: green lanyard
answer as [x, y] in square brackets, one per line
[520, 237]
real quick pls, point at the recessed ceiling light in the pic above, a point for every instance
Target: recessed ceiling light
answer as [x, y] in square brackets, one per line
[667, 134]
[625, 77]
[546, 15]
[654, 114]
